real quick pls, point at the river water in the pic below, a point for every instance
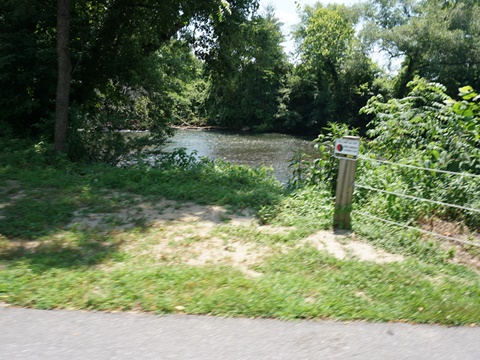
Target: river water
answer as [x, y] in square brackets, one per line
[271, 150]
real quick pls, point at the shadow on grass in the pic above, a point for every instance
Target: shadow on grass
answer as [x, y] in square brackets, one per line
[39, 214]
[86, 250]
[38, 204]
[30, 218]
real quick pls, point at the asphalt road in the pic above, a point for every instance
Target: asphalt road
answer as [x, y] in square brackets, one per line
[36, 334]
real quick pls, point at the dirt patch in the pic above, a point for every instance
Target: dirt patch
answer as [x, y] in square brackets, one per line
[450, 229]
[462, 253]
[344, 247]
[236, 254]
[274, 230]
[185, 236]
[193, 244]
[182, 233]
[158, 213]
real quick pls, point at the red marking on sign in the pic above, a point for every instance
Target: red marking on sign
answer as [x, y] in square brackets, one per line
[339, 147]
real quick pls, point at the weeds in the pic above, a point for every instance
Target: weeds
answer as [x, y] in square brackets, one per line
[134, 263]
[426, 130]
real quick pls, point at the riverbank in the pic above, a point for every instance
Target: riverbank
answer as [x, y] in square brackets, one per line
[274, 151]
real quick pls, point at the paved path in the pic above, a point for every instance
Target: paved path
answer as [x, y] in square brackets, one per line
[36, 334]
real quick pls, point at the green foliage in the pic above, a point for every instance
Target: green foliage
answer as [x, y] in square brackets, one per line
[23, 153]
[29, 218]
[177, 175]
[427, 125]
[335, 75]
[189, 105]
[434, 39]
[468, 107]
[27, 65]
[396, 241]
[95, 139]
[321, 168]
[166, 89]
[130, 70]
[180, 176]
[337, 37]
[308, 209]
[247, 74]
[426, 129]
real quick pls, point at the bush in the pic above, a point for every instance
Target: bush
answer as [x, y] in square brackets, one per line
[322, 167]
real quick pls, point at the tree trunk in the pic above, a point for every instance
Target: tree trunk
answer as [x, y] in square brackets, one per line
[406, 75]
[64, 77]
[334, 74]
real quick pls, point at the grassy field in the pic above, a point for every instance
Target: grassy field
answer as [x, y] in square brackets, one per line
[209, 238]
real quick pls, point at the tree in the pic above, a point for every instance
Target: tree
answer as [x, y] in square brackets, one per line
[335, 72]
[111, 44]
[328, 38]
[64, 77]
[247, 73]
[27, 66]
[435, 39]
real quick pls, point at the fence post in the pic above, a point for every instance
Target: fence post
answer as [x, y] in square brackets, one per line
[344, 192]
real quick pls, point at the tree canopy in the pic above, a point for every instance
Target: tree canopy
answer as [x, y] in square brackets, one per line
[437, 39]
[113, 44]
[145, 65]
[335, 72]
[247, 75]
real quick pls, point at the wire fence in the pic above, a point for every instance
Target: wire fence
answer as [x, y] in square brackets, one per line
[416, 198]
[361, 157]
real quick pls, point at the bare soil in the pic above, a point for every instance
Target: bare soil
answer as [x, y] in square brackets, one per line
[187, 234]
[462, 254]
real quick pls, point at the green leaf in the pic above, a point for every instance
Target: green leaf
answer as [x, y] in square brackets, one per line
[467, 92]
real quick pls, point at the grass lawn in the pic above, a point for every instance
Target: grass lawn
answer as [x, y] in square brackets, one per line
[211, 238]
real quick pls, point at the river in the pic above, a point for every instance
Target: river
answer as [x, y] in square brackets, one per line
[271, 150]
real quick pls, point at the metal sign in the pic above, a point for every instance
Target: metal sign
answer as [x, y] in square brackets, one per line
[347, 148]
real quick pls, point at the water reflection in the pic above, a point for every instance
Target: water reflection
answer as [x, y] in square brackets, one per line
[271, 150]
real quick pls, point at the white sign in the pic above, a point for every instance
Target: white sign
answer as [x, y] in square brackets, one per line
[347, 148]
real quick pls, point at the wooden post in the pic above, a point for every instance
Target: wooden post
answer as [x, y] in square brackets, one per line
[344, 192]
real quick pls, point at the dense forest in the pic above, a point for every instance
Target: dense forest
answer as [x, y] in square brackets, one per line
[128, 65]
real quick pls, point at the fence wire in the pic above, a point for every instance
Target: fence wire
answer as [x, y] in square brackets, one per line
[418, 198]
[419, 167]
[431, 233]
[416, 229]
